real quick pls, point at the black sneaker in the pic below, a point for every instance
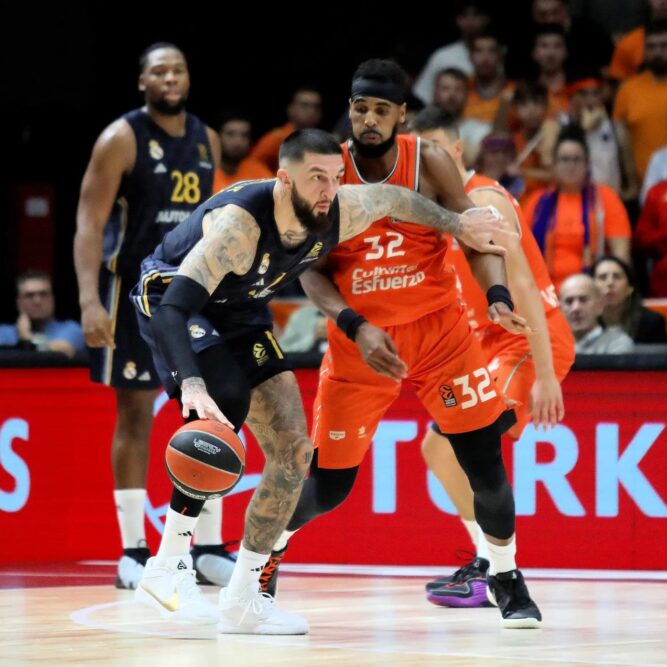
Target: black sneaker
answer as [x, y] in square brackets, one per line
[516, 606]
[474, 570]
[268, 580]
[131, 567]
[213, 563]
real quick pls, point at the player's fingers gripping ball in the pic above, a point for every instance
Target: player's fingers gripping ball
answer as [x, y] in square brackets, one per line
[205, 459]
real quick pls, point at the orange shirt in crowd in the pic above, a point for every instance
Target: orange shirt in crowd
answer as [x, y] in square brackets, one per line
[532, 161]
[568, 231]
[266, 149]
[628, 55]
[559, 102]
[485, 109]
[248, 170]
[642, 104]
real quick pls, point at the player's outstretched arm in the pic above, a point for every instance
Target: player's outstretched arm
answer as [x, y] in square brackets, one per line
[361, 205]
[546, 395]
[375, 345]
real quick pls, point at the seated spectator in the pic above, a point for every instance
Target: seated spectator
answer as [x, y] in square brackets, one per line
[588, 111]
[640, 110]
[235, 165]
[471, 18]
[535, 137]
[622, 302]
[305, 331]
[549, 55]
[497, 161]
[656, 172]
[36, 327]
[451, 95]
[629, 51]
[581, 304]
[303, 112]
[489, 86]
[650, 237]
[576, 221]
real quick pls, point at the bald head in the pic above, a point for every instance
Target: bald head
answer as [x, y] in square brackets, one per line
[581, 303]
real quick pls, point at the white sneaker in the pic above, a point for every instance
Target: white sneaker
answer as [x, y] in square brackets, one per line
[170, 588]
[213, 564]
[256, 613]
[129, 573]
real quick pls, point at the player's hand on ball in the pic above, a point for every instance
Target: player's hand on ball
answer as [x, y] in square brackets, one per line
[500, 313]
[379, 352]
[195, 397]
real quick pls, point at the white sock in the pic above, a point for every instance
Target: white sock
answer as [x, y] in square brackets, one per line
[130, 512]
[502, 558]
[281, 542]
[178, 529]
[248, 567]
[482, 544]
[209, 527]
[471, 527]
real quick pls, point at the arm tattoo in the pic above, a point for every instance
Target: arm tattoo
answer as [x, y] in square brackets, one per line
[361, 205]
[195, 384]
[228, 246]
[292, 238]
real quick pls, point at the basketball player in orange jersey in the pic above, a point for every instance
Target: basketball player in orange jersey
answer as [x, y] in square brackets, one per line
[528, 370]
[394, 275]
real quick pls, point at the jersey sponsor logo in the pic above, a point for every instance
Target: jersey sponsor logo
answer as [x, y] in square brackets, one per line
[171, 216]
[336, 435]
[314, 253]
[196, 331]
[160, 169]
[130, 370]
[259, 283]
[447, 394]
[206, 165]
[144, 377]
[267, 290]
[386, 278]
[362, 432]
[155, 150]
[220, 300]
[206, 447]
[260, 354]
[203, 152]
[264, 264]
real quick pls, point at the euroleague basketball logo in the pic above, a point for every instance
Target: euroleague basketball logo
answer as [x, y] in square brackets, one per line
[447, 394]
[259, 352]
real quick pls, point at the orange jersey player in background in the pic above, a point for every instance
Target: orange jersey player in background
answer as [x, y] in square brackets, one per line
[398, 316]
[527, 370]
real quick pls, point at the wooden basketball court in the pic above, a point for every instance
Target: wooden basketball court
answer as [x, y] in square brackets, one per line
[355, 621]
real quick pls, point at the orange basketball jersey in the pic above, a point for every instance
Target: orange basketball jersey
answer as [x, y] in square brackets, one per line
[473, 295]
[394, 272]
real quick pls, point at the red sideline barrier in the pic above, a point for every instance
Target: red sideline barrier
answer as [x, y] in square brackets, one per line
[591, 494]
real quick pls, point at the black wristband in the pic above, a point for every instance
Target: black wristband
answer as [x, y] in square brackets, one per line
[25, 344]
[497, 293]
[349, 321]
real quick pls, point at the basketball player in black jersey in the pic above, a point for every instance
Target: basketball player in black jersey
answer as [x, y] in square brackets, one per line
[203, 308]
[149, 169]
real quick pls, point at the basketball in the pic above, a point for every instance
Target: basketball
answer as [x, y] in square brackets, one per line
[205, 459]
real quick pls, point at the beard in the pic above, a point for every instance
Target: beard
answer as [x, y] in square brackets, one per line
[169, 108]
[377, 150]
[313, 223]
